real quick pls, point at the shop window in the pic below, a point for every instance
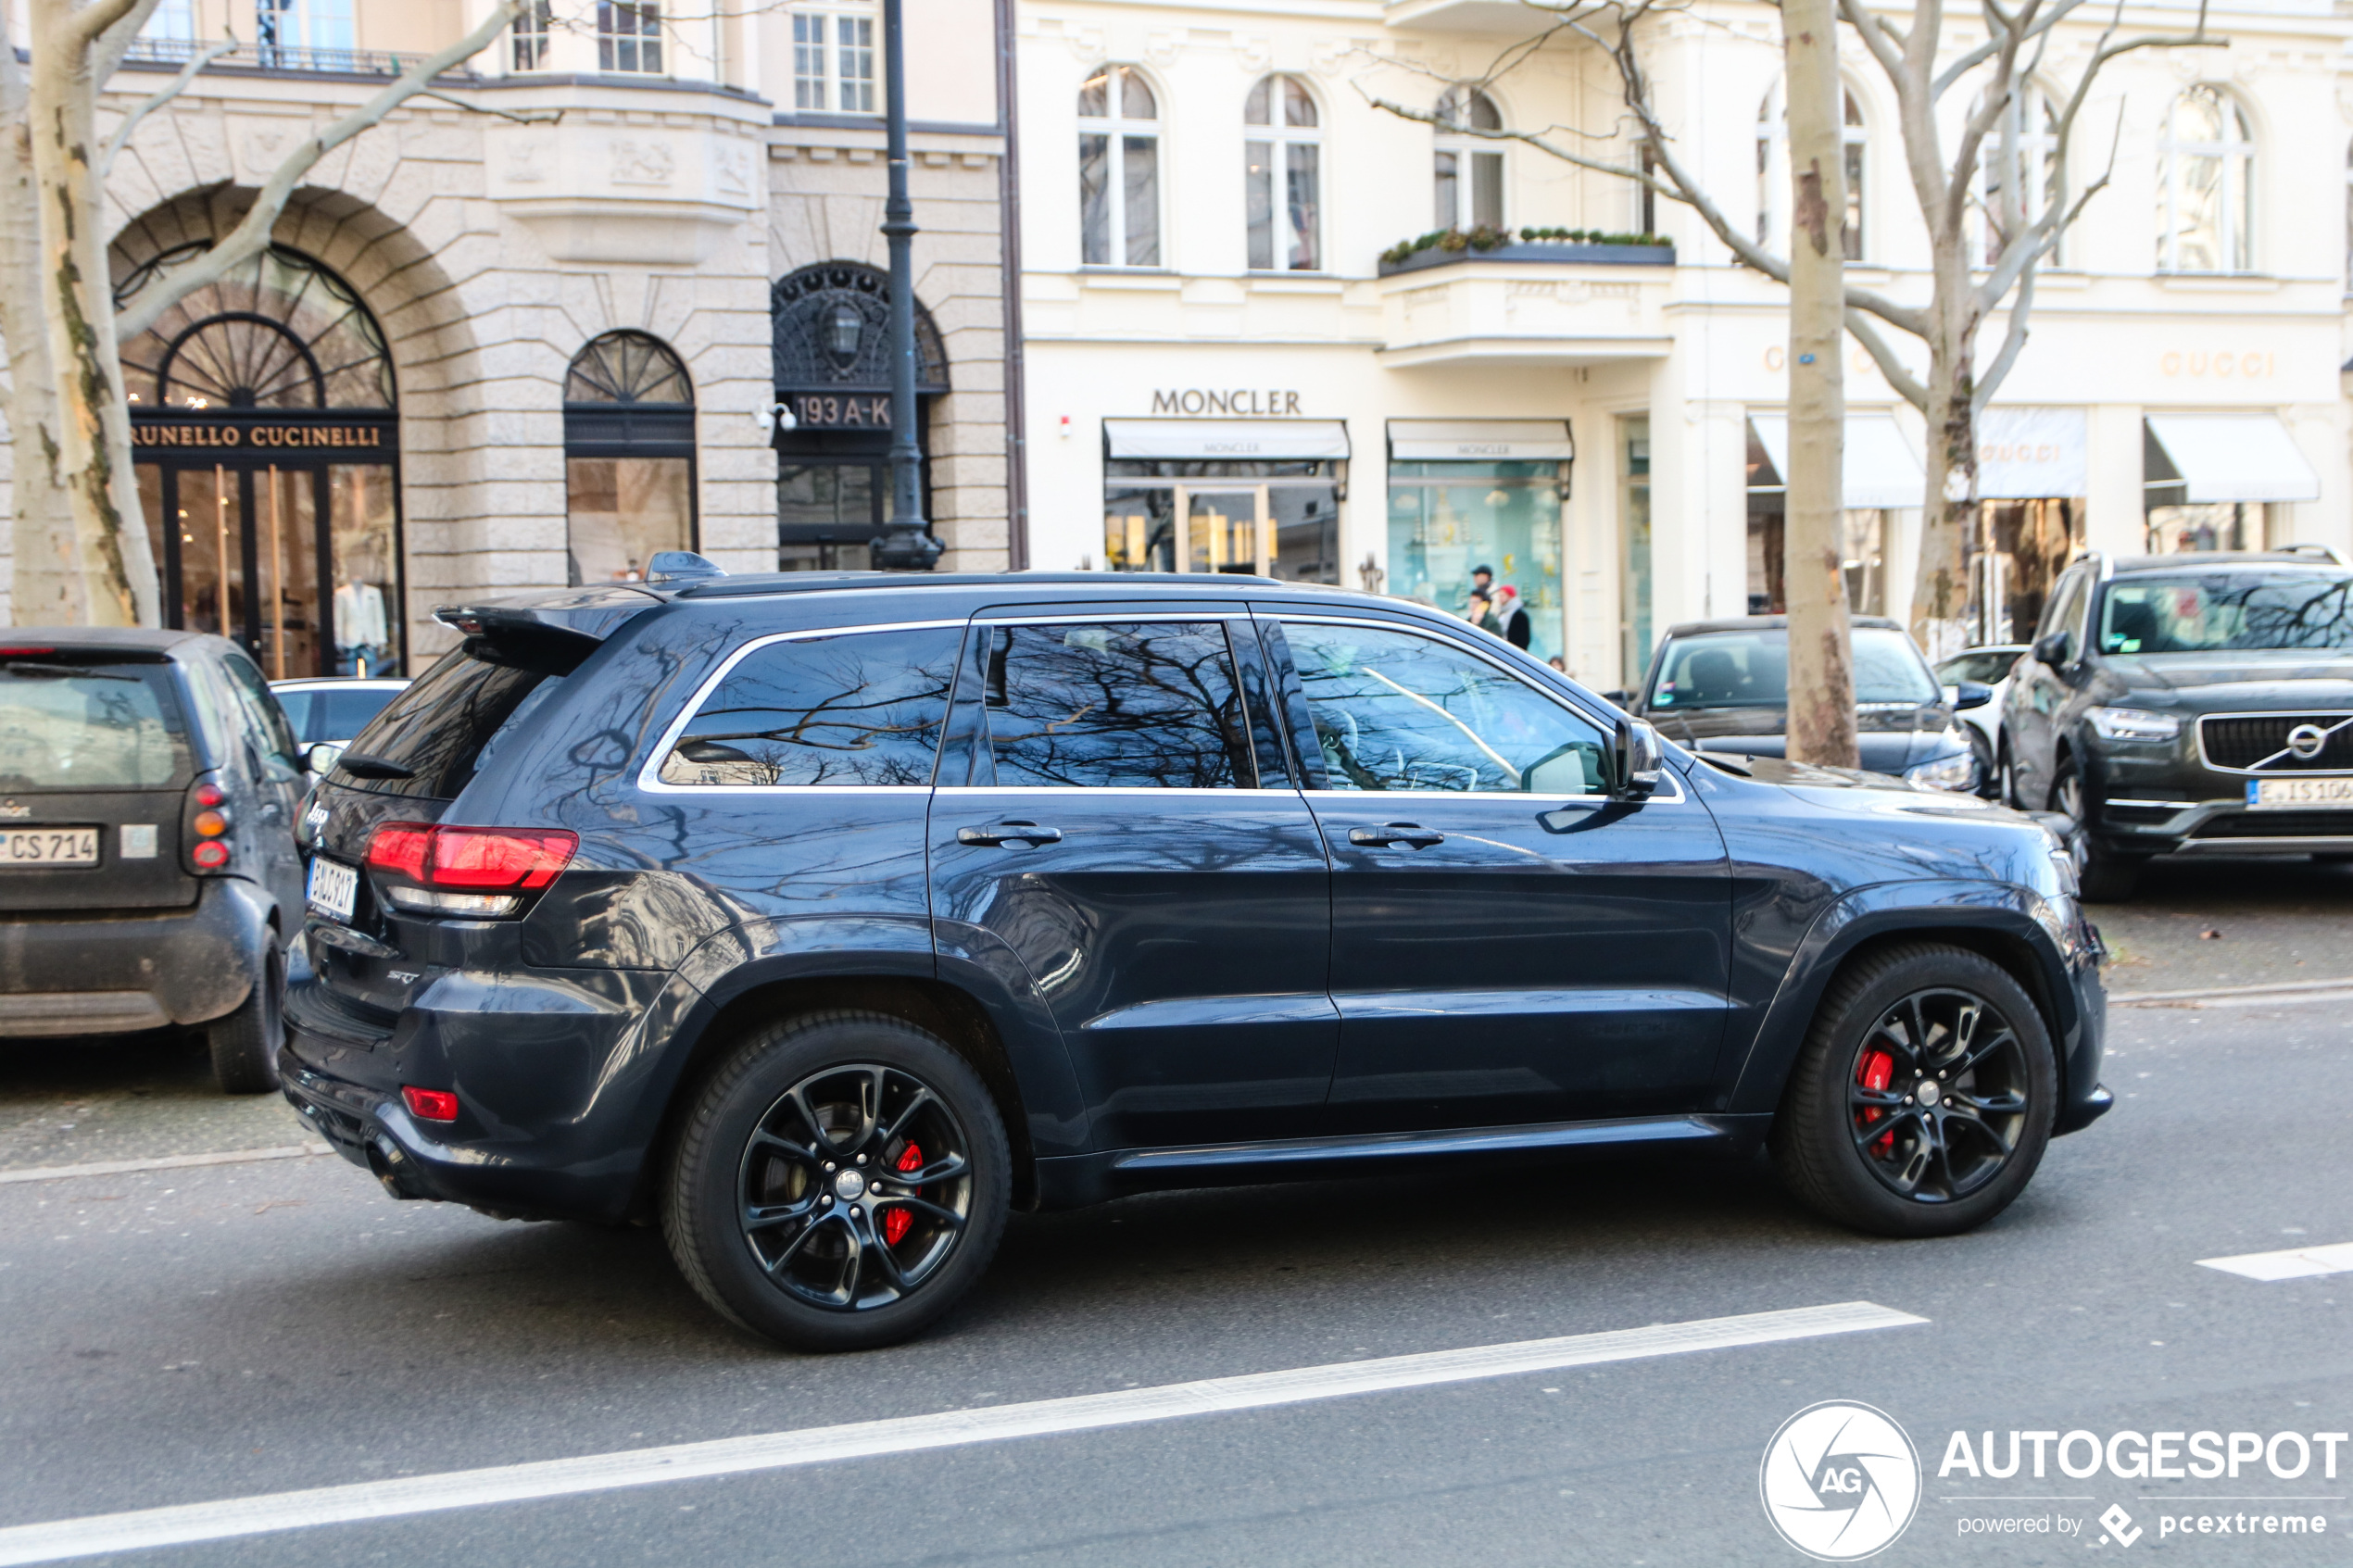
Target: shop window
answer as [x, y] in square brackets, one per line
[629, 37]
[1773, 173]
[1283, 177]
[833, 61]
[1448, 521]
[629, 457]
[1277, 518]
[1467, 168]
[1634, 597]
[2206, 188]
[1119, 170]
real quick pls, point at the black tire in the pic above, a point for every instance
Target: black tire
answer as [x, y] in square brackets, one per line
[245, 1044]
[2006, 785]
[791, 1118]
[2103, 877]
[1988, 771]
[1929, 1170]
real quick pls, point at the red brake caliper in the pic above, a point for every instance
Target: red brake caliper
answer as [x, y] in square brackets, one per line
[897, 1220]
[1877, 1071]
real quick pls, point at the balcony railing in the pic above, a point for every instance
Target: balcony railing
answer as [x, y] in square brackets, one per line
[278, 57]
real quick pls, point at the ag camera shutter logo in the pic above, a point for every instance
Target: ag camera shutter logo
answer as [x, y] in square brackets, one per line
[1840, 1481]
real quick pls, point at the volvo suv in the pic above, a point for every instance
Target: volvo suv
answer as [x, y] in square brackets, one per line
[2189, 704]
[824, 919]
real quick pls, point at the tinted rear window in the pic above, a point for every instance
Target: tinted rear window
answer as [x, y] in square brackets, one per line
[89, 726]
[442, 728]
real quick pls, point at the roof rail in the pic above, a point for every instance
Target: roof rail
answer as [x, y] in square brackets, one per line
[2326, 552]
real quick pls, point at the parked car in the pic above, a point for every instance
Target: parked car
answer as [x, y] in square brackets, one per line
[328, 710]
[148, 874]
[1722, 686]
[2189, 704]
[824, 918]
[1988, 666]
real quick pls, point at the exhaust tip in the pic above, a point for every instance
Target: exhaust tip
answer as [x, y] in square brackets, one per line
[395, 1169]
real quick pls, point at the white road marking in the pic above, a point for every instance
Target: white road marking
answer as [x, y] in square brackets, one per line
[155, 1527]
[2297, 1262]
[166, 1163]
[2298, 991]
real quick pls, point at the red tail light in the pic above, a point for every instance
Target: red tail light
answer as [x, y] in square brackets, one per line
[429, 1105]
[440, 869]
[208, 818]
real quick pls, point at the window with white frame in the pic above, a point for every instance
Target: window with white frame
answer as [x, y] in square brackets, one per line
[1283, 177]
[629, 37]
[833, 60]
[172, 21]
[2349, 219]
[2013, 193]
[1467, 170]
[1118, 169]
[2205, 189]
[1773, 173]
[306, 26]
[531, 30]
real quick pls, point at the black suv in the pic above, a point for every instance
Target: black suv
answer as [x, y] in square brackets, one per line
[2189, 704]
[148, 874]
[826, 918]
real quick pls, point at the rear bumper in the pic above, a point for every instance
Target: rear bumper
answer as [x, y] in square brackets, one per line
[108, 974]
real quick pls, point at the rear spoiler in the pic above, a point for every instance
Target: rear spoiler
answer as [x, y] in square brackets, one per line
[521, 637]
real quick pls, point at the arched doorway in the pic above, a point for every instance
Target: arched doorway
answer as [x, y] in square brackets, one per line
[629, 457]
[832, 348]
[267, 440]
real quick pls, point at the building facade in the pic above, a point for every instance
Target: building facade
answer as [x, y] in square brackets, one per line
[1248, 348]
[519, 334]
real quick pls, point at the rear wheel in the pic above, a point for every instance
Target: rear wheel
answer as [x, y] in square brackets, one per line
[2106, 876]
[840, 1182]
[1923, 1098]
[245, 1045]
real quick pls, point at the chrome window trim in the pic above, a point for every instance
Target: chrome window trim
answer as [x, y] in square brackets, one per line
[1111, 789]
[648, 776]
[1607, 727]
[2342, 718]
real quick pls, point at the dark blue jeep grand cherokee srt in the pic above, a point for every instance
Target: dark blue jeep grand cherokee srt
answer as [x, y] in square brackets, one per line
[824, 919]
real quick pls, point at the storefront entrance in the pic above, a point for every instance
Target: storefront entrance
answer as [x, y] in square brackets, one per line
[267, 450]
[1247, 496]
[1469, 496]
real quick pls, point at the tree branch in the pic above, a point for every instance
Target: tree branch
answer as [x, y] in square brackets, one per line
[251, 236]
[2013, 341]
[172, 90]
[85, 27]
[1899, 376]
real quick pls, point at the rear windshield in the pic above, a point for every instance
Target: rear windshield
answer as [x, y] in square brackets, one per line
[1987, 665]
[443, 727]
[2207, 612]
[66, 725]
[1751, 670]
[331, 712]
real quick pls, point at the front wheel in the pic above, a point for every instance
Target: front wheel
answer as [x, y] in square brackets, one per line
[245, 1045]
[840, 1182]
[1923, 1098]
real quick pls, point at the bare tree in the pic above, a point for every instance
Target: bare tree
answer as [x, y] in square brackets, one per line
[80, 544]
[1966, 286]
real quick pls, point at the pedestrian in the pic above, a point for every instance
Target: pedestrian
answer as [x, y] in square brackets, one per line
[1480, 612]
[1482, 587]
[1511, 617]
[1558, 662]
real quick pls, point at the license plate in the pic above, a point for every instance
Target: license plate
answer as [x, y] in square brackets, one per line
[2302, 794]
[335, 889]
[48, 847]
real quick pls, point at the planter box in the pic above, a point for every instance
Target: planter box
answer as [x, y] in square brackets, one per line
[1523, 252]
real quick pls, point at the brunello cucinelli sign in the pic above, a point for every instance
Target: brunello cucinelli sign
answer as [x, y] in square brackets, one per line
[260, 437]
[1244, 401]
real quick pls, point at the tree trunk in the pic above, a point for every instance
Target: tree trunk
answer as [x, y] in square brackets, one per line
[1949, 510]
[92, 458]
[43, 582]
[1821, 674]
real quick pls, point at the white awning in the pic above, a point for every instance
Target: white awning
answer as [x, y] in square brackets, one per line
[1880, 471]
[2030, 453]
[1247, 441]
[2235, 457]
[1481, 441]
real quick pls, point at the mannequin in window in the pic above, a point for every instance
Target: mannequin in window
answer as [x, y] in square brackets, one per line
[360, 632]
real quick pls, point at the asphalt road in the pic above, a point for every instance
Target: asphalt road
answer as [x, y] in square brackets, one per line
[216, 1332]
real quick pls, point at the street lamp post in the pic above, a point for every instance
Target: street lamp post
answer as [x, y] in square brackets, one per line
[906, 543]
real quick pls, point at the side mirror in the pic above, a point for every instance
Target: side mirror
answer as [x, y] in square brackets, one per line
[1638, 760]
[1970, 693]
[2057, 651]
[319, 758]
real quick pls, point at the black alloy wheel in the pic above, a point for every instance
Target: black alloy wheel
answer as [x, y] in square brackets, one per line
[2104, 877]
[839, 1183]
[1923, 1098]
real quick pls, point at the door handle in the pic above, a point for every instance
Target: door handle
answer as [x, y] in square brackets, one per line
[1396, 832]
[1009, 833]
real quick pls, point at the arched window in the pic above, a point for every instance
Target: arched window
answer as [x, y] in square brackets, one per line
[1283, 177]
[1469, 170]
[2020, 191]
[2205, 189]
[629, 457]
[1773, 173]
[1118, 169]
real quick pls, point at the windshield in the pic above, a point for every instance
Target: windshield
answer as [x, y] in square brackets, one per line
[1751, 670]
[82, 726]
[2206, 612]
[1989, 666]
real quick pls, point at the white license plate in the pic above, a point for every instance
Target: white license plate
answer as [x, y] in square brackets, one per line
[48, 847]
[2300, 794]
[335, 889]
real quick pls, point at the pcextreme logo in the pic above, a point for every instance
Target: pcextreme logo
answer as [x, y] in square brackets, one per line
[1840, 1481]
